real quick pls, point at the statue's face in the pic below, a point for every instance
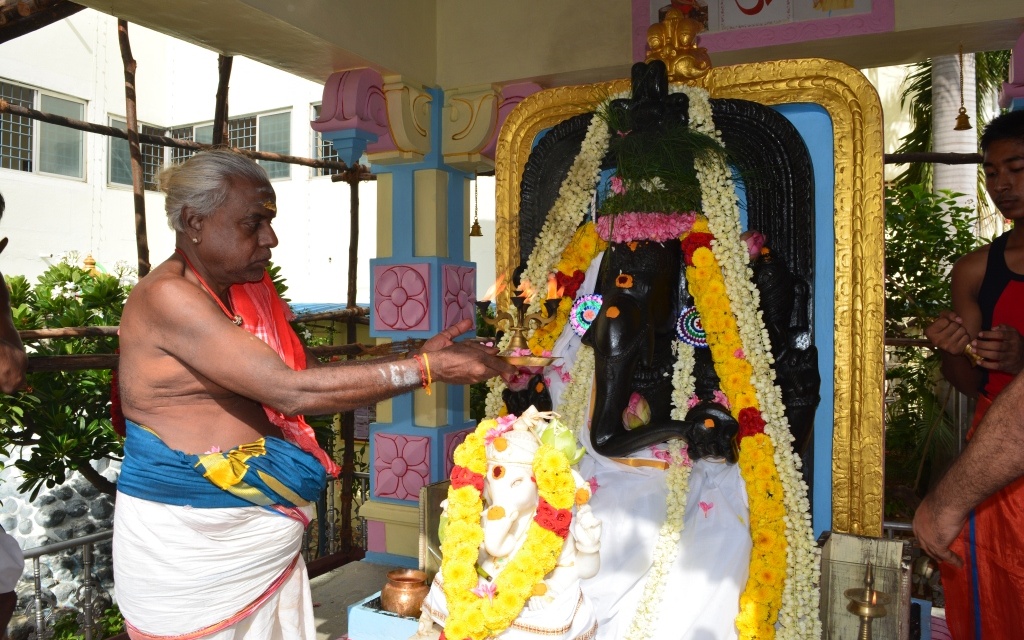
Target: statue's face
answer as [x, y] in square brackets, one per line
[511, 486]
[632, 335]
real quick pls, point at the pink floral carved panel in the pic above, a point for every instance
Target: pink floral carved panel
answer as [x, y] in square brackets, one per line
[451, 441]
[458, 294]
[401, 465]
[401, 297]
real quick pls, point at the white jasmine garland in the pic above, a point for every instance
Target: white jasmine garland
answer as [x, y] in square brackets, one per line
[574, 200]
[683, 382]
[677, 479]
[576, 396]
[798, 614]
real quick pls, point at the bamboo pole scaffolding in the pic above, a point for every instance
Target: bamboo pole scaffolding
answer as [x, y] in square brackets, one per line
[79, 362]
[933, 157]
[134, 149]
[30, 335]
[164, 141]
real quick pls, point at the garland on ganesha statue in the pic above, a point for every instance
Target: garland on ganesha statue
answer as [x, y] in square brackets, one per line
[672, 203]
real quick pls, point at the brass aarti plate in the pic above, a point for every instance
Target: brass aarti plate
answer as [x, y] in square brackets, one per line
[528, 361]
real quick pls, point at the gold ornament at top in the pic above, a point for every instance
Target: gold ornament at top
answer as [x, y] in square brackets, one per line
[674, 42]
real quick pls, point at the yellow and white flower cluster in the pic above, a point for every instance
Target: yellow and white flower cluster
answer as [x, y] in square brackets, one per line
[574, 200]
[798, 616]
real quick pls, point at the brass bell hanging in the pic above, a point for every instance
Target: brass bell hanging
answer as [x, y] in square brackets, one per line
[474, 231]
[963, 121]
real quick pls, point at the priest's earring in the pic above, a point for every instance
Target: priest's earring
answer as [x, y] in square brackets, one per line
[195, 240]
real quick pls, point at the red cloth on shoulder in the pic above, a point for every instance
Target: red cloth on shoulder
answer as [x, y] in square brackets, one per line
[266, 316]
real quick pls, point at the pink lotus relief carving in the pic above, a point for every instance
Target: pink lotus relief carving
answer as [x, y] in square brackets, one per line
[451, 441]
[459, 292]
[401, 297]
[401, 465]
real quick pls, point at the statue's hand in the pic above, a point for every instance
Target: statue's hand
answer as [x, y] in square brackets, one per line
[586, 528]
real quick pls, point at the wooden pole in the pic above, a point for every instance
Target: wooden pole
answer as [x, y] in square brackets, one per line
[164, 141]
[77, 362]
[348, 421]
[134, 150]
[35, 20]
[220, 114]
[933, 157]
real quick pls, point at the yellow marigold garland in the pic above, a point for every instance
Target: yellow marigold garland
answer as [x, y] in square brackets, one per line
[762, 595]
[584, 246]
[478, 617]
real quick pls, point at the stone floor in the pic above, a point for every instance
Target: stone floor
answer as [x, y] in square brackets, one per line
[334, 591]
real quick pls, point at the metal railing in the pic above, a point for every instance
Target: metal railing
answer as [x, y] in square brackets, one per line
[331, 518]
[323, 536]
[36, 553]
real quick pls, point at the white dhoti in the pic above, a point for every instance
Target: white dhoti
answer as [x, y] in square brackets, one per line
[700, 596]
[12, 562]
[219, 574]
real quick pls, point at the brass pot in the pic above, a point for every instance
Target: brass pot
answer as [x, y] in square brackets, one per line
[404, 592]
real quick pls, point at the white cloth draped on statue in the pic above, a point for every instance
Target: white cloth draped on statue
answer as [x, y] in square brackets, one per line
[183, 569]
[700, 596]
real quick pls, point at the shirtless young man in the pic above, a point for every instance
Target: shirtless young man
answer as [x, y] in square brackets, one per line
[216, 451]
[982, 573]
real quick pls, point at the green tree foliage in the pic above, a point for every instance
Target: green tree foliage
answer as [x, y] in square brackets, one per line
[67, 624]
[61, 422]
[925, 233]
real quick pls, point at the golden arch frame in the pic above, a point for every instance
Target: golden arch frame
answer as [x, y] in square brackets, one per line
[856, 114]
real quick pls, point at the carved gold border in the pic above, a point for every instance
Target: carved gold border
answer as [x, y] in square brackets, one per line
[856, 113]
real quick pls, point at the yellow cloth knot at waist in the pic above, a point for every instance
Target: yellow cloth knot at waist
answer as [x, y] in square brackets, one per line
[642, 462]
[226, 470]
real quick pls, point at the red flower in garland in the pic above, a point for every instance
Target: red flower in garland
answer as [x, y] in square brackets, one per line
[693, 242]
[751, 422]
[569, 284]
[554, 520]
[463, 477]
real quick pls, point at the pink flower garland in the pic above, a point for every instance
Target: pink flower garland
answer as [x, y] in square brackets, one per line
[659, 227]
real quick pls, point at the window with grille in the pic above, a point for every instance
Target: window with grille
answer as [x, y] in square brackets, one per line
[323, 149]
[16, 131]
[27, 145]
[241, 132]
[121, 161]
[270, 132]
[179, 155]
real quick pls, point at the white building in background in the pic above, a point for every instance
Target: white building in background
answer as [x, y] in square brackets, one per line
[69, 191]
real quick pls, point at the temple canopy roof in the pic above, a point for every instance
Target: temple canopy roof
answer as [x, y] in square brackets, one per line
[460, 43]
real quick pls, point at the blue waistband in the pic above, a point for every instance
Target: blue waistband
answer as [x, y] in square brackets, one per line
[270, 471]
